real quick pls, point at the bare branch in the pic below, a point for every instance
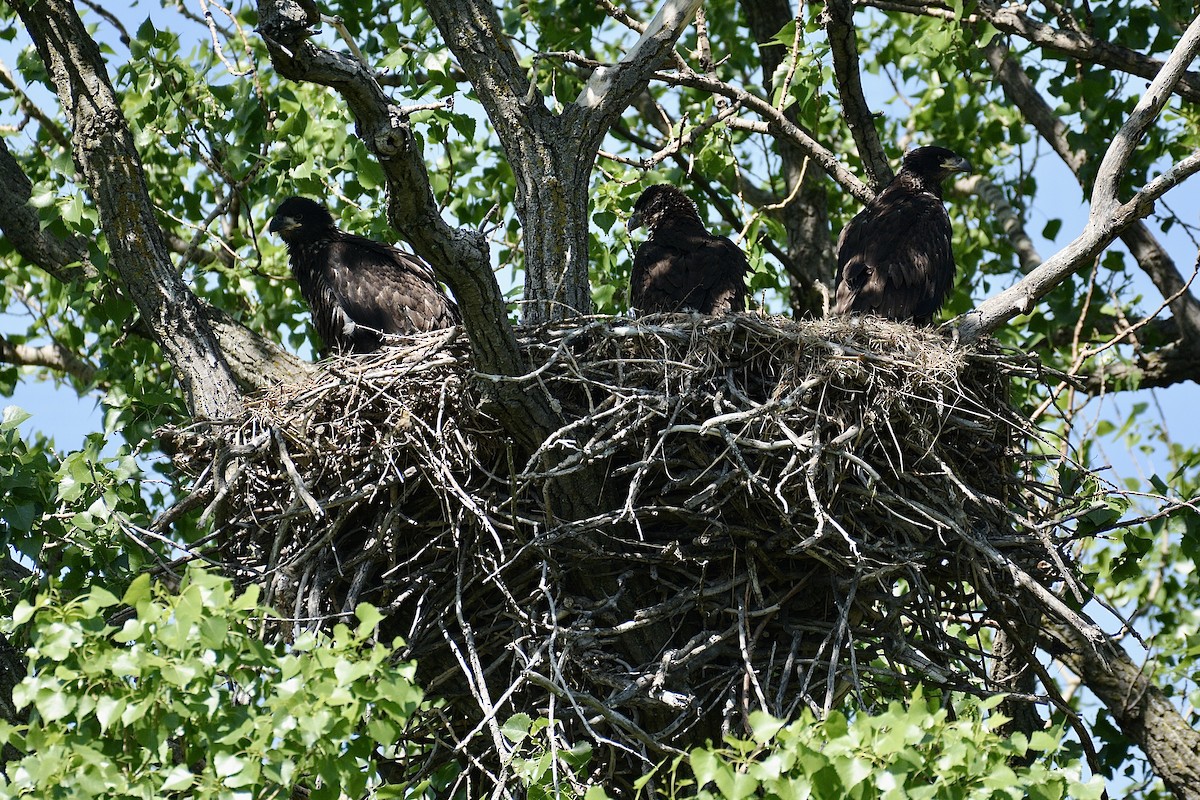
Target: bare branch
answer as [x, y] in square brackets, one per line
[805, 213]
[1108, 217]
[611, 89]
[460, 257]
[51, 356]
[838, 18]
[1178, 362]
[1116, 159]
[1020, 89]
[1150, 255]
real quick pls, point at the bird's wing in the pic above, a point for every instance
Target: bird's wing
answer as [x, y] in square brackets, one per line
[895, 258]
[722, 277]
[682, 267]
[387, 290]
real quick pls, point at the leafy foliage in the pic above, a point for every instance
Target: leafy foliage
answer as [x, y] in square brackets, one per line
[918, 751]
[178, 695]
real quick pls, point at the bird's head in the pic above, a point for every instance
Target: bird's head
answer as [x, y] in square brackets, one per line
[657, 202]
[299, 218]
[934, 164]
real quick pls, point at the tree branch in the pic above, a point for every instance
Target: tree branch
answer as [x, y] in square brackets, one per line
[1012, 19]
[460, 257]
[51, 356]
[1009, 219]
[610, 90]
[256, 362]
[65, 259]
[1150, 255]
[109, 162]
[1108, 216]
[50, 126]
[1116, 159]
[838, 18]
[1139, 707]
[804, 210]
[780, 126]
[1177, 362]
[1020, 90]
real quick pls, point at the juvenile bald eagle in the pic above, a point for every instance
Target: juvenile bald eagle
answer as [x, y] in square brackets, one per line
[357, 289]
[894, 258]
[681, 266]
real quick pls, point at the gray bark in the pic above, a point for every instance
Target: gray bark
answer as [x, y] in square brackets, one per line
[108, 162]
[551, 154]
[1142, 711]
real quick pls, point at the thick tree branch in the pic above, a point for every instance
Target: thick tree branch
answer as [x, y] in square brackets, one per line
[108, 161]
[1088, 49]
[1139, 707]
[1105, 193]
[51, 356]
[1150, 255]
[460, 257]
[1021, 91]
[50, 126]
[610, 90]
[1178, 362]
[1108, 216]
[66, 260]
[838, 18]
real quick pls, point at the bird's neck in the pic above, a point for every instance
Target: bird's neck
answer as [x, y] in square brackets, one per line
[916, 183]
[679, 224]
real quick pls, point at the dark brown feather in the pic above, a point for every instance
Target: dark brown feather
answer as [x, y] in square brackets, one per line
[358, 289]
[681, 266]
[895, 258]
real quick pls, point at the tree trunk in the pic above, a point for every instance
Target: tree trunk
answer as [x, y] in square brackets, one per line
[108, 161]
[1138, 706]
[552, 203]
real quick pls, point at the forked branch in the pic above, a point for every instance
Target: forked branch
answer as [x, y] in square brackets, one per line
[1109, 216]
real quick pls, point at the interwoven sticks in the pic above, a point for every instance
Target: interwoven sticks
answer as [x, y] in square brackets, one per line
[773, 514]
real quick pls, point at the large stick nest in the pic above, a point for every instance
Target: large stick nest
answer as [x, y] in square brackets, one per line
[735, 514]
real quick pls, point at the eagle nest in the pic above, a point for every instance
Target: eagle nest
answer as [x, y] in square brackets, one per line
[776, 514]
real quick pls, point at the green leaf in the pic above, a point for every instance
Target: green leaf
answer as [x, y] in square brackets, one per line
[369, 618]
[516, 728]
[13, 416]
[177, 780]
[138, 591]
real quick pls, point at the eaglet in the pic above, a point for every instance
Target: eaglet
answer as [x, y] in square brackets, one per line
[359, 290]
[681, 266]
[894, 259]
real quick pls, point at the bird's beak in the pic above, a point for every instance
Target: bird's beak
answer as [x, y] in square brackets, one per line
[282, 224]
[635, 222]
[956, 165]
